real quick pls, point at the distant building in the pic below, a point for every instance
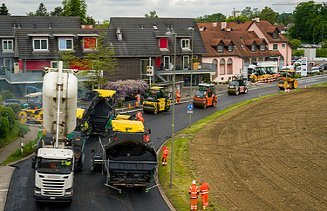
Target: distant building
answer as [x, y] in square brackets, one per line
[233, 46]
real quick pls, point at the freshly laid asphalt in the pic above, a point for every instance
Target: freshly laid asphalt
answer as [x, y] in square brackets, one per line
[89, 190]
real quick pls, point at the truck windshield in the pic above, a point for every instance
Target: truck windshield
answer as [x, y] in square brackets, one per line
[51, 166]
[200, 94]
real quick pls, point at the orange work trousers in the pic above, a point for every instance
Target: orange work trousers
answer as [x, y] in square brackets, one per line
[205, 201]
[194, 203]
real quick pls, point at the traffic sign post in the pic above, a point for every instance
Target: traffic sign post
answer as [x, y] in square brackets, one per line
[149, 72]
[190, 112]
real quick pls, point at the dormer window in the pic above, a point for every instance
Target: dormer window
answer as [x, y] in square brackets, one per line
[220, 48]
[185, 44]
[65, 44]
[253, 47]
[275, 35]
[163, 43]
[40, 44]
[230, 48]
[262, 47]
[89, 43]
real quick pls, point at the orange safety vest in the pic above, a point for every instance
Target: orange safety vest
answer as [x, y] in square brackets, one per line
[193, 191]
[204, 188]
[166, 152]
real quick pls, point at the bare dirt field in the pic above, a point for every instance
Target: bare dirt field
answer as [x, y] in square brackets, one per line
[268, 155]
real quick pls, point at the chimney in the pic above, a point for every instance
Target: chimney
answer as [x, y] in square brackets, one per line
[119, 34]
[257, 19]
[223, 25]
[87, 26]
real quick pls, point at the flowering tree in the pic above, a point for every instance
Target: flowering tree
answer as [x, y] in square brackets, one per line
[128, 88]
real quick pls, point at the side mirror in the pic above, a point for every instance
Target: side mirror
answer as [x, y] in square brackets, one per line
[33, 163]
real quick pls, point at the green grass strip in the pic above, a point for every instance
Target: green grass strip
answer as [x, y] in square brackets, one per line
[29, 148]
[13, 134]
[183, 173]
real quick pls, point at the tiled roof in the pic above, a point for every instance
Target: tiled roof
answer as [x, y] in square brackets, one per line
[7, 22]
[140, 35]
[242, 41]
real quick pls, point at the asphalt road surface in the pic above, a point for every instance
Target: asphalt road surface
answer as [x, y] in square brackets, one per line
[89, 190]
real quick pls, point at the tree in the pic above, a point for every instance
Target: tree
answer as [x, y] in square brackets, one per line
[56, 11]
[249, 13]
[216, 17]
[268, 14]
[285, 18]
[75, 8]
[310, 22]
[4, 10]
[103, 25]
[240, 19]
[41, 11]
[152, 14]
[295, 44]
[100, 61]
[90, 21]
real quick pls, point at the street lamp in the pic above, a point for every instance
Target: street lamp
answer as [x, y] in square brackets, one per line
[171, 33]
[190, 114]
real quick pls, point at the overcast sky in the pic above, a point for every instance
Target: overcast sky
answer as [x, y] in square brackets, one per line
[104, 9]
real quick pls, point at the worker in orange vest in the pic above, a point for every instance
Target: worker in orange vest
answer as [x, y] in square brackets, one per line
[138, 100]
[194, 192]
[178, 96]
[139, 116]
[204, 191]
[165, 152]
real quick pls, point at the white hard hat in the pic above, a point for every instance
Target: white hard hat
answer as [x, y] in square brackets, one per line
[193, 182]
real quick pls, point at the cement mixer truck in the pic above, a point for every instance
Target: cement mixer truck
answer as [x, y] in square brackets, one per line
[55, 156]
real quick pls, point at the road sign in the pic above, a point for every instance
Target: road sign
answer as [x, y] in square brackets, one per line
[190, 111]
[190, 107]
[149, 71]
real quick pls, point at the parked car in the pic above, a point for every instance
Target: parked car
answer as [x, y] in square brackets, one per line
[298, 70]
[7, 102]
[314, 70]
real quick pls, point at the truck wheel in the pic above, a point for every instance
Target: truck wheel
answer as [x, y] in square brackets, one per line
[167, 107]
[155, 109]
[205, 104]
[237, 92]
[246, 90]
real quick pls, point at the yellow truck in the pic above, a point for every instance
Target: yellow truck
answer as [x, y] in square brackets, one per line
[156, 100]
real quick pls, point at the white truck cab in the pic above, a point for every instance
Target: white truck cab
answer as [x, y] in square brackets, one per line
[54, 174]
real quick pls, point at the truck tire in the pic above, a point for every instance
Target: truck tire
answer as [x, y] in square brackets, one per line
[246, 91]
[237, 92]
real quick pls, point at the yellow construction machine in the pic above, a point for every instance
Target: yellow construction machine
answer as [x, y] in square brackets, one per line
[32, 115]
[287, 79]
[156, 100]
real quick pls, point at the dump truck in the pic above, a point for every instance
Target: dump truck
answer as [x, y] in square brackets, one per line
[237, 85]
[205, 96]
[287, 79]
[55, 159]
[127, 157]
[156, 100]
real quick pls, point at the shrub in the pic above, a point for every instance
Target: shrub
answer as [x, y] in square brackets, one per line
[6, 94]
[15, 107]
[322, 52]
[298, 52]
[9, 114]
[4, 127]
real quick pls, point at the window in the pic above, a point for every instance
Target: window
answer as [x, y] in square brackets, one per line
[230, 48]
[262, 47]
[166, 62]
[222, 67]
[65, 44]
[7, 45]
[275, 47]
[283, 45]
[186, 62]
[253, 47]
[89, 43]
[229, 66]
[185, 44]
[40, 44]
[163, 43]
[220, 48]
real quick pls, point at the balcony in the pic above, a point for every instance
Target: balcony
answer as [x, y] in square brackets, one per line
[21, 78]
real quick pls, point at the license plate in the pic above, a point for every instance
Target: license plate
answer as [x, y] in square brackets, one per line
[53, 198]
